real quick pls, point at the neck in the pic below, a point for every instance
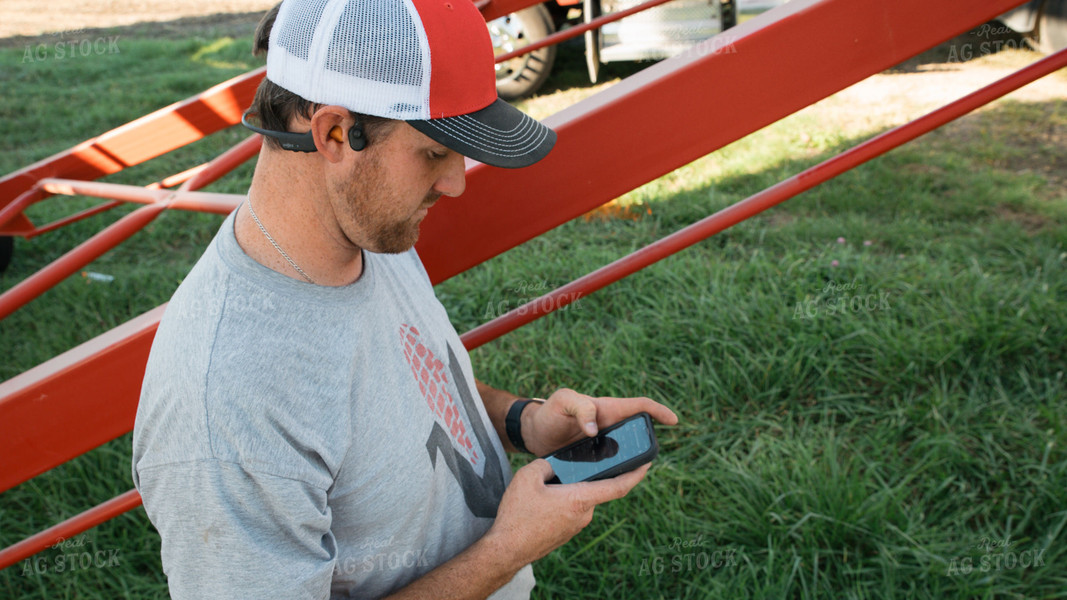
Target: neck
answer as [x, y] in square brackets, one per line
[292, 208]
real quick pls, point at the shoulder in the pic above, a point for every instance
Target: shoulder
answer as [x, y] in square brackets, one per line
[239, 374]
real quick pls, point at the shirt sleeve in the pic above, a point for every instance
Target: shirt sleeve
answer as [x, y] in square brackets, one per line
[228, 532]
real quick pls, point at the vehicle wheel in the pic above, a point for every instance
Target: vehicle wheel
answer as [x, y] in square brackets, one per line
[729, 13]
[1052, 27]
[522, 75]
[7, 248]
[591, 9]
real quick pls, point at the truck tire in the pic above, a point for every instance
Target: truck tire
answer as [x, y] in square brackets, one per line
[1052, 27]
[522, 75]
[729, 13]
[7, 248]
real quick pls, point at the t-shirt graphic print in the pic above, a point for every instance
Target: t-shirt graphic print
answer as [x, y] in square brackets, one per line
[473, 462]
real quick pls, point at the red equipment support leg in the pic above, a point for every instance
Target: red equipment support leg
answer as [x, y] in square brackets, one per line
[43, 280]
[85, 214]
[105, 511]
[73, 261]
[148, 137]
[222, 204]
[686, 107]
[755, 204]
[573, 32]
[224, 163]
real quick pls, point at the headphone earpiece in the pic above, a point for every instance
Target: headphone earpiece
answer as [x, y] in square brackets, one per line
[356, 138]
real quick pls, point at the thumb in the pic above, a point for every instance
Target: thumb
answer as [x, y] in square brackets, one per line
[539, 468]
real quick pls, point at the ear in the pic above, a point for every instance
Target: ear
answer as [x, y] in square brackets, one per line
[327, 126]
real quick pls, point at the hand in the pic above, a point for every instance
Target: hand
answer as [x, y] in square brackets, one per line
[568, 416]
[535, 518]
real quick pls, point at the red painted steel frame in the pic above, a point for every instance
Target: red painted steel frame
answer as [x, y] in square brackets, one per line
[685, 107]
[104, 511]
[158, 200]
[855, 38]
[67, 385]
[148, 137]
[755, 204]
[498, 8]
[573, 32]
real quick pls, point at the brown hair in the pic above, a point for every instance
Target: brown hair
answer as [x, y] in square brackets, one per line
[276, 106]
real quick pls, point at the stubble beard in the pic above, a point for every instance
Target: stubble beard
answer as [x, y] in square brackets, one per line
[384, 234]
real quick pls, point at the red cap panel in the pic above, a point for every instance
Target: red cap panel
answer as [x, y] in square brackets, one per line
[462, 76]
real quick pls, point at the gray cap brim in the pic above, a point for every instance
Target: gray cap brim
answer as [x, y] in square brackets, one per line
[499, 135]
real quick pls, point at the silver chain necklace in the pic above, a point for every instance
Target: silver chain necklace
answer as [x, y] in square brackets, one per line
[252, 212]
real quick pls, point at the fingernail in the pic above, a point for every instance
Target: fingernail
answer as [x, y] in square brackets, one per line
[590, 428]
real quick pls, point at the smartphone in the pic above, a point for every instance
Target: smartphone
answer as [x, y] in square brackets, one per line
[615, 450]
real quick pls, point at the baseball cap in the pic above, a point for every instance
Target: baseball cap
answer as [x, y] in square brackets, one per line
[427, 62]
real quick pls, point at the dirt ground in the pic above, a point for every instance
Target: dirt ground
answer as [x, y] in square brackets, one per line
[31, 18]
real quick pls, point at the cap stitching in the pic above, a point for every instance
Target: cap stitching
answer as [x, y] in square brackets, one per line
[472, 139]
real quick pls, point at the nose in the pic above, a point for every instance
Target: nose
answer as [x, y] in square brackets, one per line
[453, 178]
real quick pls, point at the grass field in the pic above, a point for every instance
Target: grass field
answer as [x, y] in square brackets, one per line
[870, 377]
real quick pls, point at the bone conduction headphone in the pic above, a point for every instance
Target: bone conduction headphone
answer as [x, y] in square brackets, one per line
[305, 142]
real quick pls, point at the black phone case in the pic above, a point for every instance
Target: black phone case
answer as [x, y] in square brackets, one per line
[622, 467]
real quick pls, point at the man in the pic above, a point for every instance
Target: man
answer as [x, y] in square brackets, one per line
[309, 424]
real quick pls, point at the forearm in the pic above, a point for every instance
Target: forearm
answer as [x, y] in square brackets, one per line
[484, 567]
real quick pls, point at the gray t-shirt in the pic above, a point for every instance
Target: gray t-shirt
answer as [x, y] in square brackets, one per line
[300, 441]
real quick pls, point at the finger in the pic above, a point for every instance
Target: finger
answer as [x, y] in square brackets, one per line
[657, 411]
[662, 414]
[605, 490]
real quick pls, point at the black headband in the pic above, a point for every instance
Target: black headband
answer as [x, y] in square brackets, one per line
[297, 142]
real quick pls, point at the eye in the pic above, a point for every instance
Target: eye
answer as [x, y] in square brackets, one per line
[436, 155]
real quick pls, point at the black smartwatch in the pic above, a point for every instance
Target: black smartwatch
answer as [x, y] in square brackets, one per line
[513, 423]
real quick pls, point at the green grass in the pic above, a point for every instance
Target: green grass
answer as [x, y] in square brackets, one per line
[869, 452]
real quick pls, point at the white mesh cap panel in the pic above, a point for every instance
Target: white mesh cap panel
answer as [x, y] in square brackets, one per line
[293, 38]
[387, 42]
[369, 56]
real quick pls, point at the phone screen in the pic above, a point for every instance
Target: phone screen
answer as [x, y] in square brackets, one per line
[594, 455]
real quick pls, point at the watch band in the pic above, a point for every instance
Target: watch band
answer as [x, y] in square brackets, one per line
[513, 423]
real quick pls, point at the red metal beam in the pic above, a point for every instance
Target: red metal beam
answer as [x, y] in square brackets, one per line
[11, 218]
[71, 527]
[686, 107]
[573, 32]
[224, 163]
[74, 402]
[85, 214]
[222, 204]
[73, 261]
[190, 179]
[755, 204]
[156, 202]
[498, 8]
[152, 135]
